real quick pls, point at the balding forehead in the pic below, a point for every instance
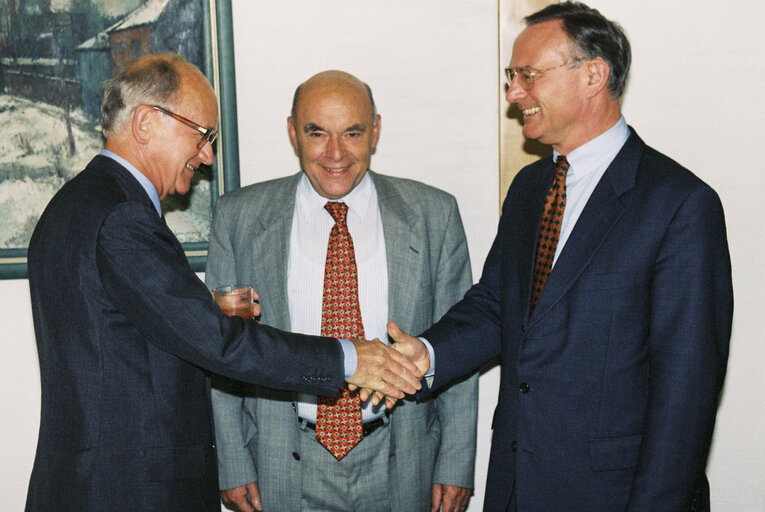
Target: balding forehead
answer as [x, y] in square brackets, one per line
[333, 81]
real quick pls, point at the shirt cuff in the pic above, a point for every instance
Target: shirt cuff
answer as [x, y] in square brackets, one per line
[350, 358]
[432, 371]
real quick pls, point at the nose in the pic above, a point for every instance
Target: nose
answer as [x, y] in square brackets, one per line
[514, 91]
[206, 154]
[335, 149]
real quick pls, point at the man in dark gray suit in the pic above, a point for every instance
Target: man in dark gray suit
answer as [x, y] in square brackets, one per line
[413, 264]
[125, 329]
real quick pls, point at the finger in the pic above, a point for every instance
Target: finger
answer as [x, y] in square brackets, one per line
[396, 385]
[435, 498]
[394, 331]
[254, 492]
[406, 363]
[403, 379]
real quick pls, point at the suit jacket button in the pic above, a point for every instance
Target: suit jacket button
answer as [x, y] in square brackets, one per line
[296, 455]
[525, 388]
[514, 445]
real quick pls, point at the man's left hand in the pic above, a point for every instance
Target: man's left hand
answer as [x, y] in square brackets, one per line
[449, 498]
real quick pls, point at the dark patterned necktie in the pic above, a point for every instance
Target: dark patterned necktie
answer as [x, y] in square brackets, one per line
[549, 229]
[338, 419]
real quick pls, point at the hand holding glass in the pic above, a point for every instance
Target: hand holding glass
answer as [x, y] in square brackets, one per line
[236, 300]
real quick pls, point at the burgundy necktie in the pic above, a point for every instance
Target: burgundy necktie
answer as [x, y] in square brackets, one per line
[338, 419]
[549, 229]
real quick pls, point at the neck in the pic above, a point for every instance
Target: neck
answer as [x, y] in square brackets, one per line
[595, 122]
[135, 157]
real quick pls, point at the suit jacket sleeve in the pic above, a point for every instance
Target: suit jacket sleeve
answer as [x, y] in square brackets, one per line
[458, 404]
[469, 334]
[691, 312]
[146, 276]
[234, 429]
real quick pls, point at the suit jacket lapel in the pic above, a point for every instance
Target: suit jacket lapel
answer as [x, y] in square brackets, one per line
[599, 215]
[531, 208]
[404, 241]
[271, 248]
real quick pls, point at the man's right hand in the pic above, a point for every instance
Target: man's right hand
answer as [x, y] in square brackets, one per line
[384, 371]
[411, 347]
[242, 499]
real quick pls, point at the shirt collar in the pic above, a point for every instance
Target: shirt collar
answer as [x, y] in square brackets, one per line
[603, 148]
[143, 180]
[358, 199]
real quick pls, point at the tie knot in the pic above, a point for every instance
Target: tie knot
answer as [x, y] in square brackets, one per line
[561, 166]
[338, 211]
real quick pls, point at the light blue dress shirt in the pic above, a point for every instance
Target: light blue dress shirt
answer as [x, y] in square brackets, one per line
[587, 164]
[143, 180]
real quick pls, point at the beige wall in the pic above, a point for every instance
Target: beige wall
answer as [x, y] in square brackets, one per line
[695, 93]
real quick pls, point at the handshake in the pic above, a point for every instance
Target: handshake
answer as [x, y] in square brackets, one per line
[389, 373]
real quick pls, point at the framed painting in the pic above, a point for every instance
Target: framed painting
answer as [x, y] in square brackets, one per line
[54, 57]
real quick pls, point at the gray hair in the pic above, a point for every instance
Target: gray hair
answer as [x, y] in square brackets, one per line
[595, 36]
[150, 80]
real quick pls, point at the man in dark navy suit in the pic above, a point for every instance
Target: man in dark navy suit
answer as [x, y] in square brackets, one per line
[125, 330]
[612, 366]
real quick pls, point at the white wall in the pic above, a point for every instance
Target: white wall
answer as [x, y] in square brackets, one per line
[695, 93]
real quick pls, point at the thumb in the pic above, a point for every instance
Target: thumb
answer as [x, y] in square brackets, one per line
[394, 331]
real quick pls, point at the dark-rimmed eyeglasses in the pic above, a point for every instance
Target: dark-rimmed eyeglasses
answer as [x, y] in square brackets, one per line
[527, 75]
[208, 134]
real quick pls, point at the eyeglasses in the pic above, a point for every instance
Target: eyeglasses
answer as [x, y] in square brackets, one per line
[208, 134]
[527, 76]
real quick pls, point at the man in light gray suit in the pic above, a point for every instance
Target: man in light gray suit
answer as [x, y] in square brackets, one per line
[413, 264]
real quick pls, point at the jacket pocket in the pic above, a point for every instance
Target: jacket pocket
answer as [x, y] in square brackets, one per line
[614, 453]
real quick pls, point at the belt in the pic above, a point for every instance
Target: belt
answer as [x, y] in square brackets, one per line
[366, 428]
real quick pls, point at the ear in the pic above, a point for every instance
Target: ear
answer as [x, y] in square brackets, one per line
[293, 133]
[598, 73]
[141, 124]
[376, 130]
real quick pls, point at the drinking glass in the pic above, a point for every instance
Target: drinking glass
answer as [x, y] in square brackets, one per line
[236, 300]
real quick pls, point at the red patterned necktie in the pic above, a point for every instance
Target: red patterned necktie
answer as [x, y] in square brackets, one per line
[549, 229]
[338, 419]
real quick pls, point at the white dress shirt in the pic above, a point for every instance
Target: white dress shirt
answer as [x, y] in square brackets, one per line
[311, 225]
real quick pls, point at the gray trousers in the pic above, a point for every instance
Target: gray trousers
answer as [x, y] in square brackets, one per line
[357, 483]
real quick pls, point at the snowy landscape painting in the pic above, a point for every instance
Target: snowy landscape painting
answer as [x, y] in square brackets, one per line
[54, 57]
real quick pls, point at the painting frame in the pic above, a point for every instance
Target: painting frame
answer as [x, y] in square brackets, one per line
[218, 66]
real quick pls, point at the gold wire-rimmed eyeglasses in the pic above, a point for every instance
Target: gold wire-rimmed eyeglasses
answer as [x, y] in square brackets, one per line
[208, 134]
[527, 75]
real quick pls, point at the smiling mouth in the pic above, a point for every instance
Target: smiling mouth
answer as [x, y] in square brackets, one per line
[531, 111]
[189, 167]
[335, 171]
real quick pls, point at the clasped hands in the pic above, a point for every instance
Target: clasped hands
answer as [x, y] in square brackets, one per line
[389, 373]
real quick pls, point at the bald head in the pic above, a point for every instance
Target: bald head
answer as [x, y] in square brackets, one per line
[334, 129]
[338, 79]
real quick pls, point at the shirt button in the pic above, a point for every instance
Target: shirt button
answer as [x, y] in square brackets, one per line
[525, 388]
[514, 445]
[296, 455]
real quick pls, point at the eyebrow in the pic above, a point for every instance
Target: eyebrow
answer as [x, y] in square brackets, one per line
[313, 127]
